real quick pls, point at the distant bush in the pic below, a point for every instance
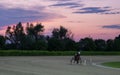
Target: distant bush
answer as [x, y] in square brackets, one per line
[34, 53]
[50, 53]
[100, 53]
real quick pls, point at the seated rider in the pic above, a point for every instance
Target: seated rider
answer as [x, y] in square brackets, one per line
[77, 57]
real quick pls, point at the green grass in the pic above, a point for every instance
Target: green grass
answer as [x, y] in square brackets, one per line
[35, 53]
[51, 53]
[112, 64]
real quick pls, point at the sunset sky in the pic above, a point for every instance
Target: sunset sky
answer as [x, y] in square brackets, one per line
[94, 18]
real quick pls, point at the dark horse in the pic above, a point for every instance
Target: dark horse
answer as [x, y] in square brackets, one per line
[76, 59]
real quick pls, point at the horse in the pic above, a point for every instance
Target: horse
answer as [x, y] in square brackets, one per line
[76, 59]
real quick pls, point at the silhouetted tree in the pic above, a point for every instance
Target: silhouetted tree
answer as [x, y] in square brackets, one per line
[100, 45]
[61, 33]
[61, 39]
[9, 36]
[41, 45]
[110, 45]
[87, 44]
[34, 31]
[55, 33]
[70, 44]
[2, 42]
[55, 44]
[117, 43]
[19, 34]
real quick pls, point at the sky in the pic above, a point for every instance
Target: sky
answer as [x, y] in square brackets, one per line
[99, 19]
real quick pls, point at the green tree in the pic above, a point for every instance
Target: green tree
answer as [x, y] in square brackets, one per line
[28, 43]
[55, 33]
[70, 44]
[117, 43]
[110, 45]
[9, 39]
[2, 42]
[87, 44]
[100, 45]
[61, 40]
[34, 31]
[55, 44]
[61, 33]
[41, 44]
[15, 36]
[19, 34]
[9, 35]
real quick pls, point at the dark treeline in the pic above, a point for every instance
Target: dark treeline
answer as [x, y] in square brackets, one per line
[32, 38]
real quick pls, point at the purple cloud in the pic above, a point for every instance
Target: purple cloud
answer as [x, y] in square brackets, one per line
[115, 26]
[68, 4]
[65, 4]
[96, 10]
[75, 21]
[59, 0]
[92, 10]
[12, 16]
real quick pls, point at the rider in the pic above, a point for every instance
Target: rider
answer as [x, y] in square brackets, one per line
[78, 53]
[77, 57]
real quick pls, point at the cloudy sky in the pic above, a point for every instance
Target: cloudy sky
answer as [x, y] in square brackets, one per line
[94, 18]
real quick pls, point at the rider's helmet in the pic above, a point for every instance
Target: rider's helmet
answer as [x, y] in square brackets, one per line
[78, 52]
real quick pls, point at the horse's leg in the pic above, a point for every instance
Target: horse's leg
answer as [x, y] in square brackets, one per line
[77, 61]
[72, 60]
[80, 60]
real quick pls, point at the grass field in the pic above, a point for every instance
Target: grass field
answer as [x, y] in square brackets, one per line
[51, 53]
[112, 64]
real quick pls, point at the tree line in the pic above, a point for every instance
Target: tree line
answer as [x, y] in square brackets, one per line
[32, 37]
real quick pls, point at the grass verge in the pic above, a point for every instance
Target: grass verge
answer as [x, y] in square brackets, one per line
[112, 64]
[50, 53]
[35, 53]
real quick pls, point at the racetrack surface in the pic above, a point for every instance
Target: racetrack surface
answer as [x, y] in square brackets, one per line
[55, 65]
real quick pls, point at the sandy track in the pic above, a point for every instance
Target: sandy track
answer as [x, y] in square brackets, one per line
[55, 65]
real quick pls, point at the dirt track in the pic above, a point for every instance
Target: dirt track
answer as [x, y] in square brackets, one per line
[55, 65]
